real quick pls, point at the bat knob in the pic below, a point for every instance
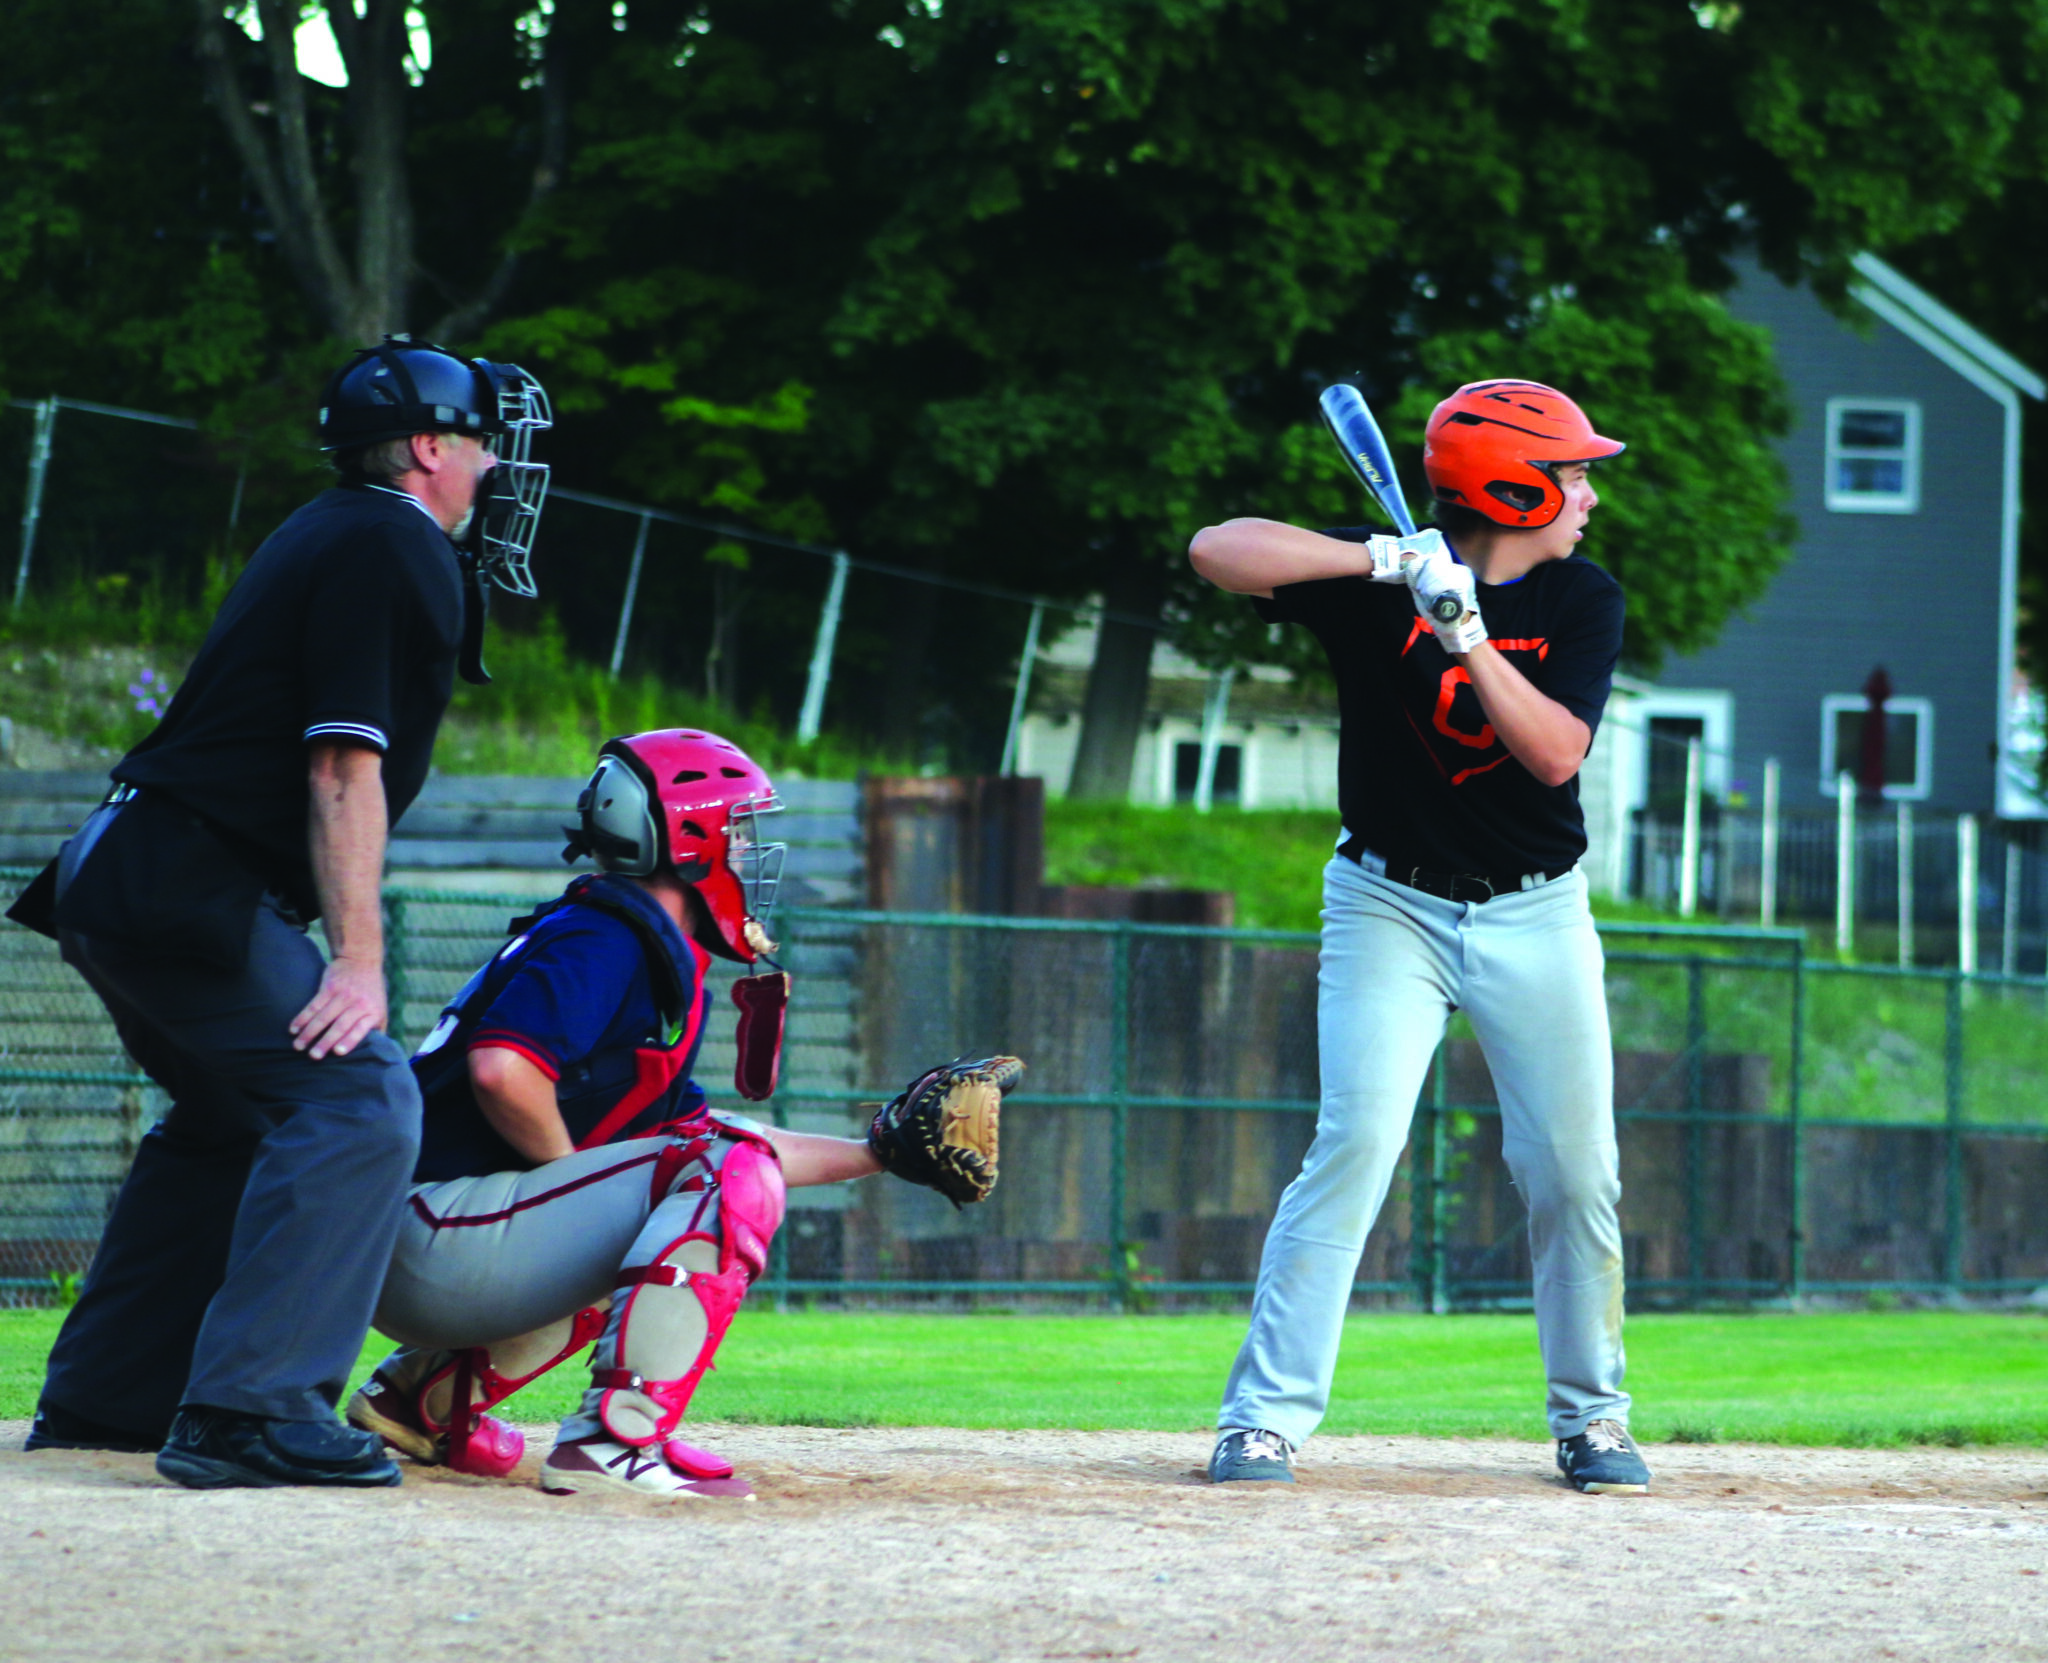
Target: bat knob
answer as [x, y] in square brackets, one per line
[1446, 609]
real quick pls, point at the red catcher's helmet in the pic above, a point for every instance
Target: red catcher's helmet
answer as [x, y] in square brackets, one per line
[1495, 447]
[690, 801]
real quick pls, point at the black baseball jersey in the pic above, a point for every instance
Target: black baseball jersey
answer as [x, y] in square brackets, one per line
[343, 626]
[1421, 777]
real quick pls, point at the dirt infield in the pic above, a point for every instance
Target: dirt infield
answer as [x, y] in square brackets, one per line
[937, 1544]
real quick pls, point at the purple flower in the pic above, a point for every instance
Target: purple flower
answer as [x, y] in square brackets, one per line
[145, 691]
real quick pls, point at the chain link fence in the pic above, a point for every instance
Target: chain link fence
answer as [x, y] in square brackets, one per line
[1788, 1126]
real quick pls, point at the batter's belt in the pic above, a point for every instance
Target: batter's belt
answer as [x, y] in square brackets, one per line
[1465, 887]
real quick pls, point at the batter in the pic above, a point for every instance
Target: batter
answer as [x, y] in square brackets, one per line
[1472, 663]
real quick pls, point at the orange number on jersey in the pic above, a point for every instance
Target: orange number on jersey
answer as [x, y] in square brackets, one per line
[1446, 692]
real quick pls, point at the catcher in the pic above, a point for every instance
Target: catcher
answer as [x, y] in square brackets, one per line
[573, 1184]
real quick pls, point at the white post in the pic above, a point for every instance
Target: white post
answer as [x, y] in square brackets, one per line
[32, 506]
[1845, 864]
[1689, 837]
[1767, 900]
[1013, 739]
[821, 653]
[2009, 943]
[1214, 709]
[632, 594]
[1905, 852]
[1620, 820]
[1966, 893]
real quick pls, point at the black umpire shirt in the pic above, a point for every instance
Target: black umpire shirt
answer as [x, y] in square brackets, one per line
[1421, 776]
[344, 626]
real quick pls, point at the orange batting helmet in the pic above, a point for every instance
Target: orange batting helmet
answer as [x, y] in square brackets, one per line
[1495, 447]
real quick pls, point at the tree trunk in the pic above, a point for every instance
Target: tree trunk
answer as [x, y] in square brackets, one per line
[374, 48]
[903, 687]
[371, 297]
[729, 597]
[1113, 711]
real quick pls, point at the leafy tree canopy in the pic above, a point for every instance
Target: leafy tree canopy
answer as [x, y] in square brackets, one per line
[1028, 290]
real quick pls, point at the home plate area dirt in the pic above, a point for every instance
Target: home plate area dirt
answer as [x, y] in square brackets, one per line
[936, 1544]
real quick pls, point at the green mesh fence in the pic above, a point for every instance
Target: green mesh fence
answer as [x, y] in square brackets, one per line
[1787, 1125]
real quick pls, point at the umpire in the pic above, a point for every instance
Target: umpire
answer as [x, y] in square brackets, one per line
[234, 1284]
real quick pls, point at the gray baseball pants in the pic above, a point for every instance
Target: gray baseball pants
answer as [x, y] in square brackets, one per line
[503, 1260]
[1526, 967]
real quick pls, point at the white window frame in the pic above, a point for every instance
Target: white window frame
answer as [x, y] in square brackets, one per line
[1840, 501]
[1715, 710]
[1922, 710]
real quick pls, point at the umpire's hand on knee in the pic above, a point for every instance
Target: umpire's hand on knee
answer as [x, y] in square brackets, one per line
[349, 1004]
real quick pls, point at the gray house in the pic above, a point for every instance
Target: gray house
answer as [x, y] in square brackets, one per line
[1904, 458]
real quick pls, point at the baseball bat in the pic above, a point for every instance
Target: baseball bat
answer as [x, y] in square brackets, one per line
[1365, 448]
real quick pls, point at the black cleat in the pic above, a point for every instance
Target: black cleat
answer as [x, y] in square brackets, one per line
[1250, 1455]
[1604, 1460]
[56, 1427]
[223, 1449]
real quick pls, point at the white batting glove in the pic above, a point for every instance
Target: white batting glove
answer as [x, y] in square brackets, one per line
[1447, 596]
[1394, 559]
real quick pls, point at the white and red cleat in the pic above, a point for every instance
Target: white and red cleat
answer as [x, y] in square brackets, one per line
[675, 1470]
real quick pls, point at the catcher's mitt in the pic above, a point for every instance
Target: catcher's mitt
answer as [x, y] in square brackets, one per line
[941, 1132]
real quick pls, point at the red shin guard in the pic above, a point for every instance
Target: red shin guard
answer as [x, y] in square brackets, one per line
[641, 1409]
[479, 1443]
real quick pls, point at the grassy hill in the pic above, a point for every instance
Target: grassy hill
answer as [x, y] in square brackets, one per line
[84, 678]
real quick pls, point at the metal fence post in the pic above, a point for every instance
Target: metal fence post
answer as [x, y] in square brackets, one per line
[1119, 1108]
[1689, 833]
[1013, 736]
[1845, 866]
[1905, 854]
[1695, 1130]
[1795, 1109]
[2009, 940]
[397, 963]
[1439, 1248]
[1767, 897]
[1966, 894]
[1215, 711]
[778, 1246]
[812, 716]
[1421, 1139]
[32, 503]
[1952, 1220]
[632, 594]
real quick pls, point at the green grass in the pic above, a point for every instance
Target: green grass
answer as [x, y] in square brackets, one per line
[1852, 1378]
[545, 712]
[1272, 859]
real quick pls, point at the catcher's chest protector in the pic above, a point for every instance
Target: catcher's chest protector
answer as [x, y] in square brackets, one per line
[621, 1092]
[670, 1313]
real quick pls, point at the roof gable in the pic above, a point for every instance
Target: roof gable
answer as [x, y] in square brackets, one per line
[1918, 315]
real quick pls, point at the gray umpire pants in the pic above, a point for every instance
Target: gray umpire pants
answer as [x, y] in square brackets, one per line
[244, 1253]
[1527, 969]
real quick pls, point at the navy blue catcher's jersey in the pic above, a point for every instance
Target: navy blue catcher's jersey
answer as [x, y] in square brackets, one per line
[604, 995]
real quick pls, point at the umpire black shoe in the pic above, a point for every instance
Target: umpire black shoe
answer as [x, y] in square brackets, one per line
[1247, 1455]
[56, 1427]
[1604, 1460]
[223, 1449]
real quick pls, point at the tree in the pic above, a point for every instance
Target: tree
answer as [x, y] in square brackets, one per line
[279, 140]
[1143, 236]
